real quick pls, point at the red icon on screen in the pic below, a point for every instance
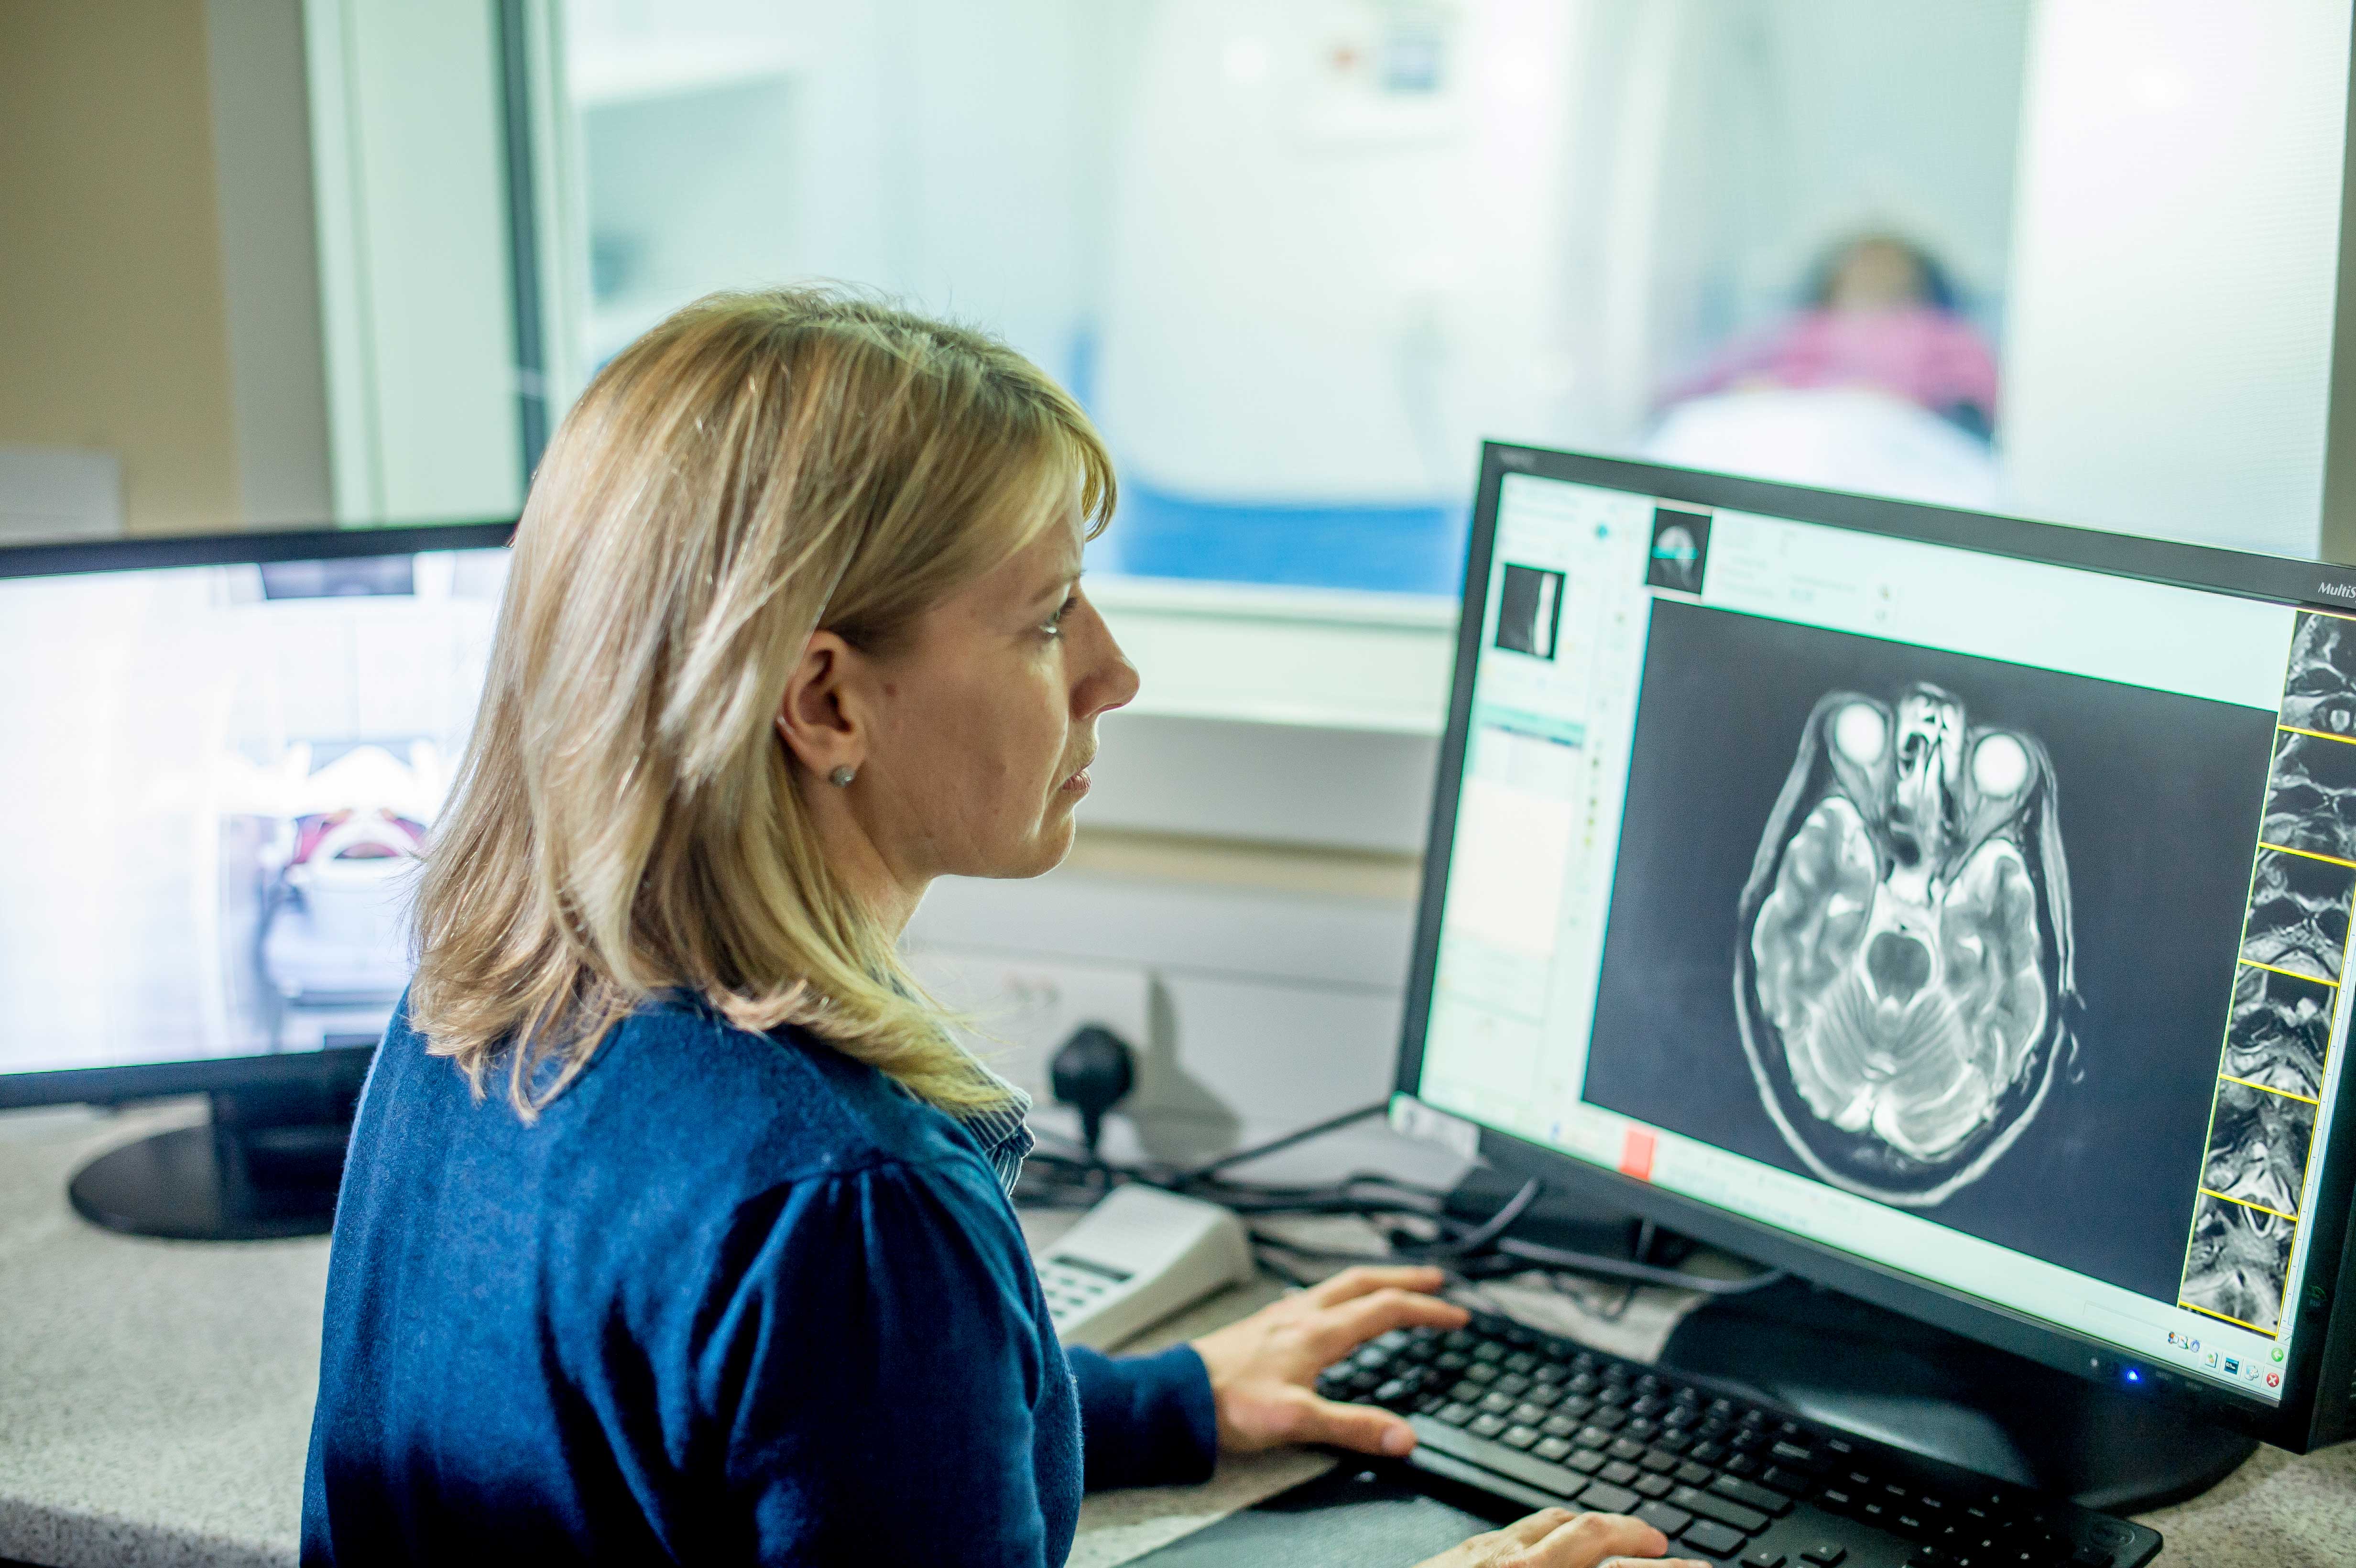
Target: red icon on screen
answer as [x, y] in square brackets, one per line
[2274, 1380]
[1636, 1153]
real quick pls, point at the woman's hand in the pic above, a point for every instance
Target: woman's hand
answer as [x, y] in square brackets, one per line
[1556, 1537]
[1262, 1367]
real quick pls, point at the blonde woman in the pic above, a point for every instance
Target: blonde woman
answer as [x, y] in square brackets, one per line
[676, 1227]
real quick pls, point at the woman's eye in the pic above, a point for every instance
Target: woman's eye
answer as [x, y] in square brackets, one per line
[1053, 625]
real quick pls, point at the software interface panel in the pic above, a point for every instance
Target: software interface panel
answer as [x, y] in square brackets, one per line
[225, 774]
[1982, 918]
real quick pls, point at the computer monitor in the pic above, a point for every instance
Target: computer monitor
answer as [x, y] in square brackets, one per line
[224, 754]
[1950, 909]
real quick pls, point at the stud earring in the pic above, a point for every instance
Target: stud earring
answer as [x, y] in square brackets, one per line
[842, 776]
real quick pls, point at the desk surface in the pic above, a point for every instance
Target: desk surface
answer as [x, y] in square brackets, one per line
[156, 1399]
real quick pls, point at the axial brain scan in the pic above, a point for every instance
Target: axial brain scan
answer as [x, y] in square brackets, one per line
[1905, 950]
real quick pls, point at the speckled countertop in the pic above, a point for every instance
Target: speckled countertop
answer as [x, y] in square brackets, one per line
[155, 1398]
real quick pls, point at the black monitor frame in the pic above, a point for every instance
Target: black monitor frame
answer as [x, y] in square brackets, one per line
[322, 1070]
[2318, 1404]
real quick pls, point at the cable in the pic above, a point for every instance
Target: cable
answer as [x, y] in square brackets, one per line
[1242, 1155]
[1467, 1252]
[1481, 1235]
[1643, 1274]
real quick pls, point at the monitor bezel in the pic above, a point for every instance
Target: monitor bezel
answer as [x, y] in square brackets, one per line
[2299, 1420]
[146, 1081]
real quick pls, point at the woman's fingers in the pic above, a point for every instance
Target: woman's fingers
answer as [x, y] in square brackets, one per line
[1556, 1537]
[1338, 1330]
[1365, 1279]
[1364, 1428]
[1592, 1537]
[1531, 1529]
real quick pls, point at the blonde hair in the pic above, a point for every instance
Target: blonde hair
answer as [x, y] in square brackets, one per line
[757, 467]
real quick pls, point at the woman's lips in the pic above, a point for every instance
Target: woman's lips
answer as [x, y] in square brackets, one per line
[1076, 784]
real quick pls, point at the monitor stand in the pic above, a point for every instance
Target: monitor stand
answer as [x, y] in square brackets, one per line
[1850, 1365]
[267, 1164]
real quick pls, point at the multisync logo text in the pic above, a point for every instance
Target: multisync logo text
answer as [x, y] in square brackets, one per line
[2336, 590]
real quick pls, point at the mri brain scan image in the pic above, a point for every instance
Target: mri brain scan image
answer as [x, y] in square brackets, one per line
[1903, 968]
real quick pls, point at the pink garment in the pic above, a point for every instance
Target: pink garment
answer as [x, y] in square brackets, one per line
[1929, 356]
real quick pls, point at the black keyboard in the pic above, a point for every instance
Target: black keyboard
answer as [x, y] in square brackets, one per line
[1542, 1422]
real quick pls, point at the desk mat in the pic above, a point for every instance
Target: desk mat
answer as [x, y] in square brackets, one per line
[1343, 1518]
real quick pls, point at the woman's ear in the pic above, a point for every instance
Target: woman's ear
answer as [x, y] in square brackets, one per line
[821, 719]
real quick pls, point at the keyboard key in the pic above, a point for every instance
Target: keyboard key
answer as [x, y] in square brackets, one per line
[1658, 1462]
[1518, 1436]
[1653, 1486]
[1487, 1426]
[1549, 1479]
[1790, 1453]
[1693, 1475]
[1709, 1505]
[1557, 1426]
[1557, 1449]
[1669, 1521]
[1626, 1448]
[1751, 1496]
[1825, 1556]
[1513, 1383]
[1586, 1461]
[1602, 1497]
[1763, 1558]
[1794, 1483]
[1495, 1403]
[1707, 1535]
[1456, 1414]
[1619, 1473]
[1529, 1414]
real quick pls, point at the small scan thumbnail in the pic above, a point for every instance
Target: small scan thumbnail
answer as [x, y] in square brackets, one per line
[2320, 688]
[1680, 552]
[2236, 1265]
[2311, 799]
[2257, 1147]
[1530, 612]
[2280, 1029]
[2298, 914]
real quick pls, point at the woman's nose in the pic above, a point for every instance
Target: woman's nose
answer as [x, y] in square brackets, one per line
[1112, 681]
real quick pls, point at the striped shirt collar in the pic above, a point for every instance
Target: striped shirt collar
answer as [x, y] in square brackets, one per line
[1002, 1132]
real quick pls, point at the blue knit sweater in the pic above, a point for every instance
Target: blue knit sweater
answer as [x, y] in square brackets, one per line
[733, 1298]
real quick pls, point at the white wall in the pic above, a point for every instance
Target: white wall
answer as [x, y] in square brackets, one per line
[2177, 254]
[270, 261]
[1267, 1009]
[409, 163]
